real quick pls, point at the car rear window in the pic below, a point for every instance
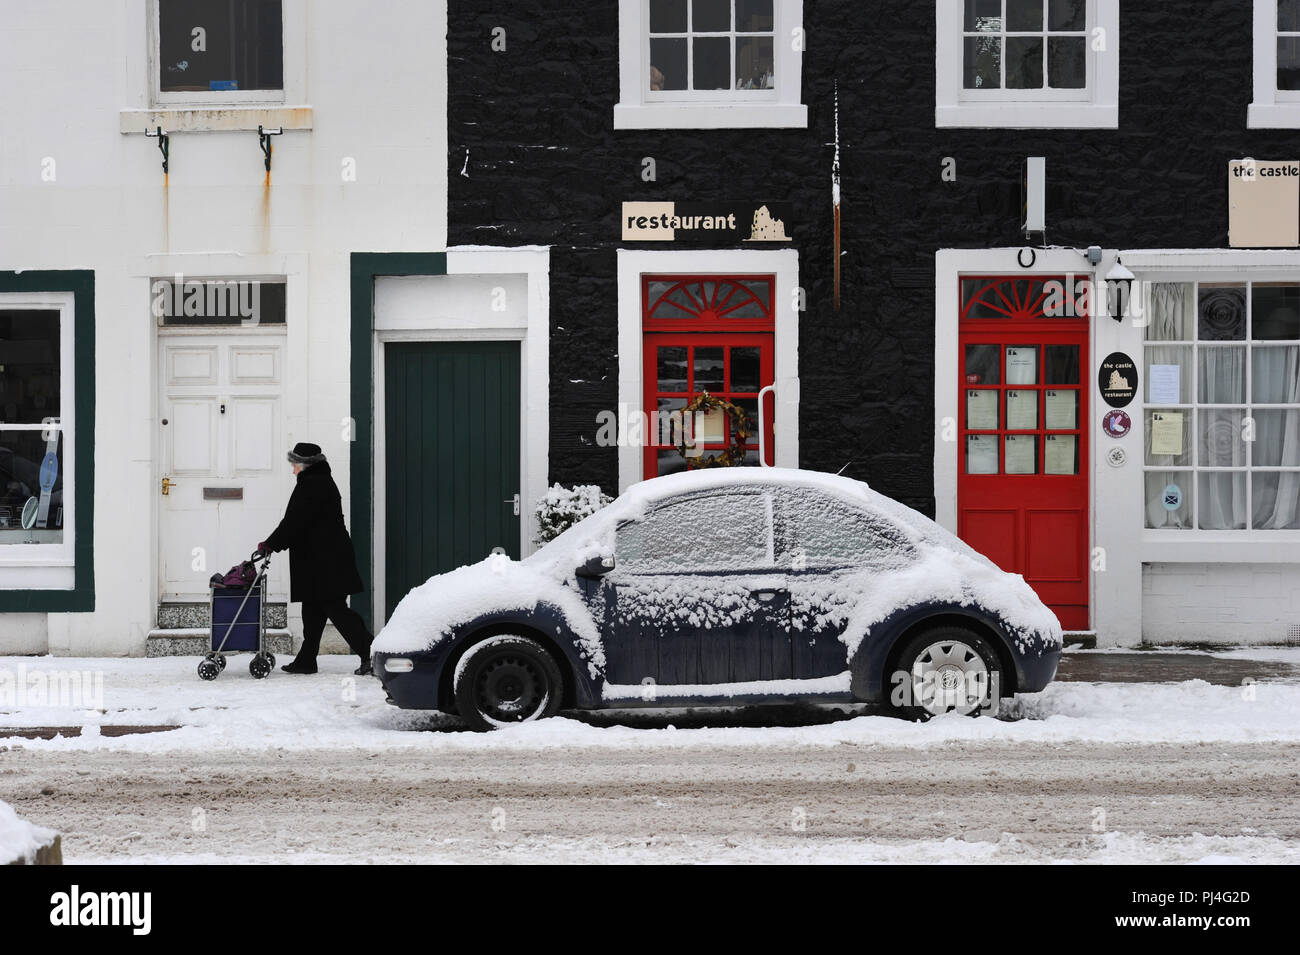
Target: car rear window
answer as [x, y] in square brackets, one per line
[814, 530]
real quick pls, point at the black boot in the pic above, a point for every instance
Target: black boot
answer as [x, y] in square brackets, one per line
[365, 669]
[298, 666]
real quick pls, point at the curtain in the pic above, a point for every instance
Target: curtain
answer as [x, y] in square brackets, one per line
[1276, 375]
[1222, 504]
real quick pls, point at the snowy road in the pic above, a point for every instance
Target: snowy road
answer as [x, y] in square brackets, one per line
[319, 768]
[983, 802]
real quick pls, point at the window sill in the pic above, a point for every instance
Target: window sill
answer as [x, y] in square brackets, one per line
[39, 577]
[1027, 116]
[193, 119]
[712, 116]
[1219, 547]
[1273, 116]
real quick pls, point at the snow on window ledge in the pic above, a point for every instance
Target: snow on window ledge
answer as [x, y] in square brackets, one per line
[1028, 116]
[712, 116]
[1273, 116]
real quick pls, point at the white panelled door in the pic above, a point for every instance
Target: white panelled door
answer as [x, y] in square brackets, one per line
[224, 479]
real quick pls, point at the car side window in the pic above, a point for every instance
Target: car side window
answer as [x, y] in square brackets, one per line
[699, 532]
[817, 531]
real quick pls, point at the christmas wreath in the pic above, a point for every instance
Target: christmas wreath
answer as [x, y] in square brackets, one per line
[734, 453]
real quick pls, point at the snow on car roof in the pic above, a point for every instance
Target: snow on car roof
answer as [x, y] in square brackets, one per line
[636, 500]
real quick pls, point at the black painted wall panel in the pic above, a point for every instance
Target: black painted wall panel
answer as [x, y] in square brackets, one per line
[546, 166]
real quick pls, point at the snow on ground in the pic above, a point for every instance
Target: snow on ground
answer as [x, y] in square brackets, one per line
[19, 839]
[334, 709]
[1110, 848]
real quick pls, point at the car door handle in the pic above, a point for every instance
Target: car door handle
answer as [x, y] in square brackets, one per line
[764, 595]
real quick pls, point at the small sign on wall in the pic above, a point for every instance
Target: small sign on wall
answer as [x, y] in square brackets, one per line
[708, 222]
[1263, 203]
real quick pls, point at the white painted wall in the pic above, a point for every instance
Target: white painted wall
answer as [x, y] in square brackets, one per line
[374, 78]
[1220, 603]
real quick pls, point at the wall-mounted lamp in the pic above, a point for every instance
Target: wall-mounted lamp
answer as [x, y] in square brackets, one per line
[1119, 286]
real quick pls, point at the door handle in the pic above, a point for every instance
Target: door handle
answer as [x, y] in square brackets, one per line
[764, 595]
[167, 485]
[515, 501]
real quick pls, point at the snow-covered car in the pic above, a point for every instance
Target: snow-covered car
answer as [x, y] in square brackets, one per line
[722, 587]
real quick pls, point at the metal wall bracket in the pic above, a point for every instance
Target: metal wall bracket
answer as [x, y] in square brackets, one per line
[264, 138]
[164, 144]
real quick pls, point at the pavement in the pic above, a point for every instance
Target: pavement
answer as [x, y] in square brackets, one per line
[1170, 666]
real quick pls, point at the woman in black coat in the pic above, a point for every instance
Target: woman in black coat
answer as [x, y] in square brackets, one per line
[322, 564]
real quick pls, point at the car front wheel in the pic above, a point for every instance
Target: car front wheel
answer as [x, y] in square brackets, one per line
[946, 670]
[504, 680]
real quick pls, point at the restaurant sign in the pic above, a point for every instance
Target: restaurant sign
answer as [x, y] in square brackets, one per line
[706, 221]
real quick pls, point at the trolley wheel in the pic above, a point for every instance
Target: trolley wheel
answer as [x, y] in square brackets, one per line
[259, 666]
[270, 659]
[221, 660]
[208, 670]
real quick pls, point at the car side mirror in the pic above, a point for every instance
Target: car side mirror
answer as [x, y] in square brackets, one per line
[597, 566]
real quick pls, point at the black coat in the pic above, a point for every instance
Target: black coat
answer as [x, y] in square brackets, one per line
[322, 564]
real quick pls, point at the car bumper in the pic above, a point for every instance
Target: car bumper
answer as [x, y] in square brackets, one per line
[413, 689]
[1034, 670]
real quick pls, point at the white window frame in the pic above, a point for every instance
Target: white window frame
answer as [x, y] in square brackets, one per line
[1159, 545]
[784, 263]
[640, 108]
[49, 566]
[1195, 407]
[220, 109]
[1094, 107]
[1270, 107]
[215, 97]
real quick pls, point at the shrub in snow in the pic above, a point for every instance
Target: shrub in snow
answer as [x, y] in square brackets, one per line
[560, 508]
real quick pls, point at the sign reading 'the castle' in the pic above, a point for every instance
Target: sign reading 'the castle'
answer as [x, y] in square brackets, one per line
[1263, 204]
[706, 222]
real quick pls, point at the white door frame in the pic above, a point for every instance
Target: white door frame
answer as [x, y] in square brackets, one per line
[527, 323]
[294, 268]
[949, 267]
[633, 263]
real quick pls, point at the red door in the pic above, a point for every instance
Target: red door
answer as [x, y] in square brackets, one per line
[706, 333]
[1022, 488]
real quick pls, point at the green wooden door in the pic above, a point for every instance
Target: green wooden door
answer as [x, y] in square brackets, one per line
[451, 428]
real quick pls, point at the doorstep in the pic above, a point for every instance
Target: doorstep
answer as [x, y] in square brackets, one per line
[188, 615]
[194, 642]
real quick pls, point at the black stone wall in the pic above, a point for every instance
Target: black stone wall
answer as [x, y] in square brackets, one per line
[545, 166]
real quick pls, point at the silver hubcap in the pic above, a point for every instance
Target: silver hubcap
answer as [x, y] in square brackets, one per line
[950, 676]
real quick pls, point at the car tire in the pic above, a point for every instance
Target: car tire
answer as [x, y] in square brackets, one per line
[944, 670]
[504, 680]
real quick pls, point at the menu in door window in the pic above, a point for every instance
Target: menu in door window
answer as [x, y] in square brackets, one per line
[1026, 398]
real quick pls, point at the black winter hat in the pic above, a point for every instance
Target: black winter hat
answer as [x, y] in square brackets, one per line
[306, 454]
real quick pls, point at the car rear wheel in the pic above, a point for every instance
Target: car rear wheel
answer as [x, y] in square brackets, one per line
[946, 670]
[504, 680]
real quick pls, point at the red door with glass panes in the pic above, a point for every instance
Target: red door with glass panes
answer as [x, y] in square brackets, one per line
[1022, 488]
[709, 333]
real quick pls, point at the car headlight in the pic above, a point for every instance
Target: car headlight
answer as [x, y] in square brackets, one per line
[399, 665]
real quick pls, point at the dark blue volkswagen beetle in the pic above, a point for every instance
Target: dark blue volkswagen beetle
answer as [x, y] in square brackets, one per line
[725, 586]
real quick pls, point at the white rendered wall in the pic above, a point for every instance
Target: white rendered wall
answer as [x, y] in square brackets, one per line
[1220, 603]
[374, 79]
